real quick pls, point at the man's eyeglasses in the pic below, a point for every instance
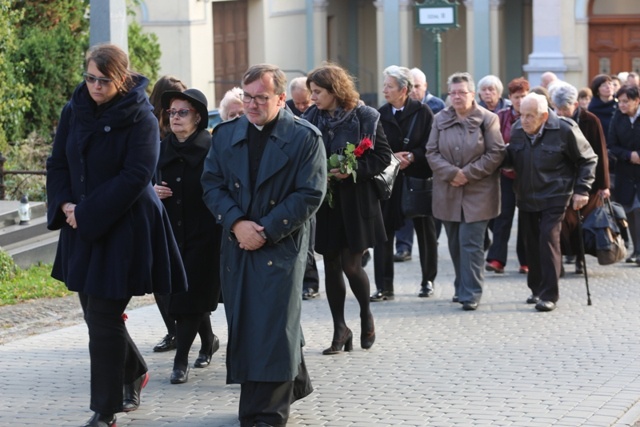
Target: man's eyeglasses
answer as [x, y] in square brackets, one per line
[259, 99]
[183, 112]
[458, 93]
[90, 78]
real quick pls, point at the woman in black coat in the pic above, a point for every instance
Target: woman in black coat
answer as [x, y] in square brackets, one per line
[403, 117]
[354, 223]
[178, 186]
[115, 238]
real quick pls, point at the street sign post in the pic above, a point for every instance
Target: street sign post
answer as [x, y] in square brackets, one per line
[437, 16]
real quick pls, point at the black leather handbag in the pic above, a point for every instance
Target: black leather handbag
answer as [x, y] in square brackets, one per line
[416, 196]
[383, 182]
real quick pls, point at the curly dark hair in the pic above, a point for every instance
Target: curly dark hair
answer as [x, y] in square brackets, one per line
[338, 82]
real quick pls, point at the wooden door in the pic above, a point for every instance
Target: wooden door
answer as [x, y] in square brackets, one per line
[230, 45]
[614, 45]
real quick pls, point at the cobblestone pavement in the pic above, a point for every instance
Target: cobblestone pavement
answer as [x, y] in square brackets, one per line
[432, 364]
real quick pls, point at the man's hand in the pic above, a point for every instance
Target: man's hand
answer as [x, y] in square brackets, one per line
[248, 235]
[579, 201]
[459, 180]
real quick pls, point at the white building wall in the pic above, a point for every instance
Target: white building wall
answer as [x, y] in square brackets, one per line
[185, 34]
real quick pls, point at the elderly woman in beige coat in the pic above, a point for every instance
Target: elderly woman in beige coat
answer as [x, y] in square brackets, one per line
[465, 150]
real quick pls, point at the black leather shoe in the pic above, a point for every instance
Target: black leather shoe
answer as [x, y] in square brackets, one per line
[204, 359]
[101, 420]
[569, 259]
[262, 424]
[579, 267]
[131, 394]
[455, 299]
[426, 290]
[381, 296]
[469, 306]
[366, 257]
[402, 256]
[545, 306]
[167, 343]
[533, 299]
[180, 376]
[633, 258]
[309, 293]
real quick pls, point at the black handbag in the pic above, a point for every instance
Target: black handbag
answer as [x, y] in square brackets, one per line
[416, 197]
[383, 182]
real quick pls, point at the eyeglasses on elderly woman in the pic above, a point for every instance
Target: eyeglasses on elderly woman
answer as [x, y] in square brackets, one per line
[183, 112]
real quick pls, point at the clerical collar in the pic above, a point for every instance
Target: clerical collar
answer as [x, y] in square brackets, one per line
[267, 126]
[394, 109]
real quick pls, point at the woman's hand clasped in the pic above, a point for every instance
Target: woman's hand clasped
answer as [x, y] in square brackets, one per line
[69, 210]
[163, 191]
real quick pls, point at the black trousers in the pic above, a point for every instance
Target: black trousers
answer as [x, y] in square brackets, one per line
[428, 245]
[270, 402]
[115, 359]
[311, 277]
[542, 240]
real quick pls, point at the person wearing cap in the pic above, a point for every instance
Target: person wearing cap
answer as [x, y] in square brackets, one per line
[182, 154]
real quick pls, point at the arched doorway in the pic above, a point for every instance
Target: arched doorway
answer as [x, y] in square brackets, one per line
[614, 36]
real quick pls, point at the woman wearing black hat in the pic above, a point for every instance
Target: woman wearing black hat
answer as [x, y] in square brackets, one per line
[180, 166]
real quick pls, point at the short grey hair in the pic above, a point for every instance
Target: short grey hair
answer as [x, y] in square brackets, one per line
[540, 100]
[418, 75]
[299, 83]
[491, 81]
[563, 95]
[461, 78]
[401, 74]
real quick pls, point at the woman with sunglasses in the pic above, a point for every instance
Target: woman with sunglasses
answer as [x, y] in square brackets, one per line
[115, 238]
[182, 154]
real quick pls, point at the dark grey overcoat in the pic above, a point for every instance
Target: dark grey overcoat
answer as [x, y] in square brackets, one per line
[262, 289]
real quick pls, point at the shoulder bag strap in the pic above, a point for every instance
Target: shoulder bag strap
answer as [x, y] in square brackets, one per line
[413, 122]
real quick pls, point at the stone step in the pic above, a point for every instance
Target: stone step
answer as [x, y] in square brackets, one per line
[37, 249]
[9, 212]
[15, 233]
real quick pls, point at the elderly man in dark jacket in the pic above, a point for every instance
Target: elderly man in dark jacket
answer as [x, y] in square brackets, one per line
[264, 177]
[554, 165]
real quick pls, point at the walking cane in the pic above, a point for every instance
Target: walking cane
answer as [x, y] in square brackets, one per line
[582, 256]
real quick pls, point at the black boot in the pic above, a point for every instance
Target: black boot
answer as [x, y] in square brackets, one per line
[131, 400]
[101, 420]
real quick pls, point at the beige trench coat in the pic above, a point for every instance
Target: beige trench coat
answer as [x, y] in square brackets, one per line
[473, 144]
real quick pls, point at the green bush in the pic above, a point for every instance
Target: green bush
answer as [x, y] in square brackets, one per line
[8, 268]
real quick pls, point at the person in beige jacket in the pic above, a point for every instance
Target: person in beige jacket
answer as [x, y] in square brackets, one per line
[465, 151]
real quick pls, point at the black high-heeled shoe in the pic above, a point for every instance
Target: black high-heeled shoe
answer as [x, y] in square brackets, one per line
[204, 359]
[131, 394]
[368, 333]
[336, 346]
[101, 420]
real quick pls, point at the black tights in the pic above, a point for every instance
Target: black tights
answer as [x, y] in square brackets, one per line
[350, 263]
[187, 326]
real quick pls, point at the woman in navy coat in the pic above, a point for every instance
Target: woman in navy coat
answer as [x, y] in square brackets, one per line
[198, 236]
[115, 237]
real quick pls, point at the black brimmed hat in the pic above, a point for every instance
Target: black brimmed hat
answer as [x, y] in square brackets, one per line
[194, 97]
